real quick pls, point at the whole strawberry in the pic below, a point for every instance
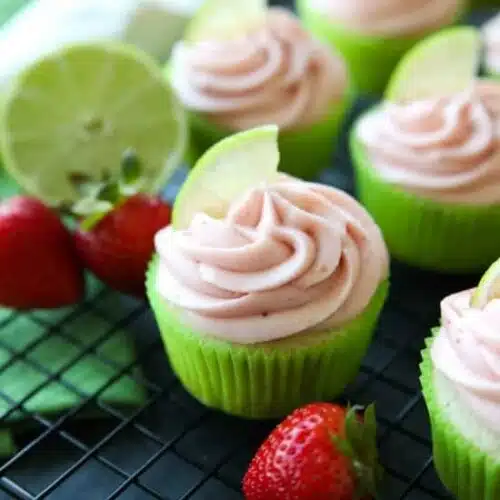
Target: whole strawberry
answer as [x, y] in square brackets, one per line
[38, 264]
[115, 240]
[320, 452]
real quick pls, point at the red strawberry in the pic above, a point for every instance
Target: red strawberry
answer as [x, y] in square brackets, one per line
[38, 265]
[118, 248]
[319, 452]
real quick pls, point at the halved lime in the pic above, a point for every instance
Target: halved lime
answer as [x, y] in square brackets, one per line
[225, 19]
[76, 112]
[228, 169]
[488, 288]
[442, 64]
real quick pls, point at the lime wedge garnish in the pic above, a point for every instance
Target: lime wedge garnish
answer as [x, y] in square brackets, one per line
[228, 169]
[488, 288]
[76, 112]
[225, 19]
[442, 64]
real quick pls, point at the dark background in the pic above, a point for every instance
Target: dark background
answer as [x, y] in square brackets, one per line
[174, 448]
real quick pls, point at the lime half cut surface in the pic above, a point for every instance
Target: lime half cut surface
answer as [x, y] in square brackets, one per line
[75, 113]
[488, 288]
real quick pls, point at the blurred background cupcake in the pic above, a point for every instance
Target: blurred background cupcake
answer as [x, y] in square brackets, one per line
[272, 304]
[491, 39]
[373, 35]
[276, 73]
[460, 376]
[429, 173]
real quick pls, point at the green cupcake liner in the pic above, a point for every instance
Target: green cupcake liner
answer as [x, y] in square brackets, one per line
[304, 152]
[425, 233]
[370, 59]
[464, 469]
[265, 380]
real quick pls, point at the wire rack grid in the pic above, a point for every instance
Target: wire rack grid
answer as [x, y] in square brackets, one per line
[171, 447]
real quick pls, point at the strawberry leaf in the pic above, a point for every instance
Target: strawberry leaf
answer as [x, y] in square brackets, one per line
[130, 168]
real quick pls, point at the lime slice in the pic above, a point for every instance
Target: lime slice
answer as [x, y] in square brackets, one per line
[442, 64]
[488, 288]
[226, 171]
[225, 19]
[76, 112]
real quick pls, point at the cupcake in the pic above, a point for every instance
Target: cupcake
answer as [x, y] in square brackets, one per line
[274, 304]
[491, 37]
[461, 386]
[429, 173]
[373, 35]
[277, 73]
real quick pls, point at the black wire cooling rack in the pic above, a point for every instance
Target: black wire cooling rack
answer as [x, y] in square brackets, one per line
[173, 448]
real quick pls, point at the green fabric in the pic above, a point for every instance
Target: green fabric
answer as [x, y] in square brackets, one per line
[266, 380]
[468, 472]
[19, 332]
[10, 7]
[446, 237]
[370, 59]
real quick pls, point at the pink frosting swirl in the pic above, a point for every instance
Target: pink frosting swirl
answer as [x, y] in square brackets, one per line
[278, 74]
[288, 257]
[491, 36]
[446, 149]
[467, 352]
[390, 17]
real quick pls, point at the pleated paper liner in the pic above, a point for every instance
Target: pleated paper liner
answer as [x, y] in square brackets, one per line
[371, 59]
[468, 472]
[267, 380]
[437, 236]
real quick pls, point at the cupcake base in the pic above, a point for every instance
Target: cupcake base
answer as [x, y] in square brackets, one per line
[266, 380]
[468, 472]
[304, 152]
[424, 233]
[370, 59]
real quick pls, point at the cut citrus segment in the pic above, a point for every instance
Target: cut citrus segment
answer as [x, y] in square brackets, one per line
[442, 64]
[225, 19]
[488, 288]
[76, 112]
[225, 171]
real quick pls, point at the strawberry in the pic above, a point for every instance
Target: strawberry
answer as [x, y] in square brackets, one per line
[38, 264]
[321, 451]
[115, 240]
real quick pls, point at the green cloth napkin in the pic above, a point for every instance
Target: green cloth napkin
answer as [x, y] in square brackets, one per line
[42, 351]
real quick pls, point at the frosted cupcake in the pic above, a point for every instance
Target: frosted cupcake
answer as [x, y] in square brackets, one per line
[272, 304]
[461, 386]
[429, 173]
[276, 73]
[491, 37]
[373, 35]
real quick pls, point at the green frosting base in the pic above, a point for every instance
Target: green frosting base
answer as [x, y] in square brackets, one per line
[422, 232]
[370, 59]
[267, 380]
[466, 471]
[303, 152]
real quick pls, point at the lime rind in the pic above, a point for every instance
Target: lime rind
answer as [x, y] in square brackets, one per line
[228, 169]
[47, 115]
[488, 288]
[444, 63]
[225, 19]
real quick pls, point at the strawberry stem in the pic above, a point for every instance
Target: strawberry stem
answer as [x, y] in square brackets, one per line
[359, 444]
[100, 197]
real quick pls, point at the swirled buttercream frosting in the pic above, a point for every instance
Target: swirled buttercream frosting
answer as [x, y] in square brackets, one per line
[288, 257]
[275, 74]
[446, 149]
[466, 351]
[390, 17]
